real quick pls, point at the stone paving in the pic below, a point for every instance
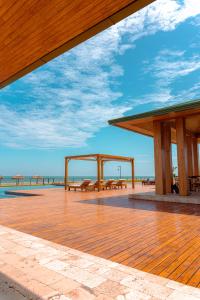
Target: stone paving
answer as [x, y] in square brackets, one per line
[35, 269]
[193, 198]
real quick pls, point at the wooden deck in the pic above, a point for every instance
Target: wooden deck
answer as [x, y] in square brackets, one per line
[156, 237]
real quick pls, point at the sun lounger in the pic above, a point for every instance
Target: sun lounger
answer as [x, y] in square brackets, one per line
[83, 186]
[148, 182]
[120, 183]
[94, 186]
[108, 184]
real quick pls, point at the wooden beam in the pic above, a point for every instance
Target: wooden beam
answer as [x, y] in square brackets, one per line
[182, 156]
[168, 156]
[195, 161]
[66, 173]
[159, 158]
[132, 173]
[104, 157]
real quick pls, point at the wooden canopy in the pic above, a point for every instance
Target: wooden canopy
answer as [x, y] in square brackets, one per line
[179, 124]
[100, 159]
[34, 32]
[143, 123]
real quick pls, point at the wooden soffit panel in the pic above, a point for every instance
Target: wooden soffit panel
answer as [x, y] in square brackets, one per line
[32, 32]
[145, 126]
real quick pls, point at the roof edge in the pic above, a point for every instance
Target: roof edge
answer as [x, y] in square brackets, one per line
[192, 104]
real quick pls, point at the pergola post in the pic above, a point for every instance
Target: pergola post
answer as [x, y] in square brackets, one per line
[102, 169]
[99, 172]
[182, 156]
[167, 148]
[66, 173]
[159, 158]
[132, 173]
[195, 160]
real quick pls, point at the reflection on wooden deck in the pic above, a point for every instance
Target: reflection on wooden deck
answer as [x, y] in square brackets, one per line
[156, 237]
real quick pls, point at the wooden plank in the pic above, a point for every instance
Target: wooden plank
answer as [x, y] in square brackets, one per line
[182, 157]
[161, 238]
[34, 32]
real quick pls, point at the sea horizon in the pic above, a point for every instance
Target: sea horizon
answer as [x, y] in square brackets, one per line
[56, 178]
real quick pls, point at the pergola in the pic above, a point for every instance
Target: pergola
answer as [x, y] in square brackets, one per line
[179, 124]
[34, 32]
[100, 160]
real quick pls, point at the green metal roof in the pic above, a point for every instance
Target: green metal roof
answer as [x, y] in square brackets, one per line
[158, 112]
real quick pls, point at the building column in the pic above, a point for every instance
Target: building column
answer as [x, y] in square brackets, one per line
[167, 146]
[66, 172]
[159, 158]
[190, 155]
[195, 160]
[182, 157]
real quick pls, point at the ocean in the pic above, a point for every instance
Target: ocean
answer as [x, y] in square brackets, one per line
[54, 179]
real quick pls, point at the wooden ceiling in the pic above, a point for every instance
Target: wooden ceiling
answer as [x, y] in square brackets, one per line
[32, 32]
[145, 126]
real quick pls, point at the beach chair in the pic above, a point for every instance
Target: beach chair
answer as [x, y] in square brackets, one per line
[83, 186]
[108, 184]
[120, 184]
[94, 186]
[148, 182]
[195, 183]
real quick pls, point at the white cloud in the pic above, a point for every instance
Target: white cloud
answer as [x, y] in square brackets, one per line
[168, 67]
[67, 101]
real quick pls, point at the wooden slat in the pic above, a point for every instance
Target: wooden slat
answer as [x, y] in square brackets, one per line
[145, 125]
[34, 32]
[157, 237]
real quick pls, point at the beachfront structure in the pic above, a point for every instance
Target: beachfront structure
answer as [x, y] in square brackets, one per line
[100, 160]
[178, 124]
[18, 178]
[34, 32]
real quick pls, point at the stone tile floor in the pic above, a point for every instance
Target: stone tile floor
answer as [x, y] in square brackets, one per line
[193, 198]
[35, 269]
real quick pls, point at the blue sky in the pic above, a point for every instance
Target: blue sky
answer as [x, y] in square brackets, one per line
[149, 60]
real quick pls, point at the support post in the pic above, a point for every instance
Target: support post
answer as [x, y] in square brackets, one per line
[195, 156]
[132, 173]
[159, 158]
[190, 156]
[102, 170]
[99, 172]
[182, 157]
[66, 173]
[167, 156]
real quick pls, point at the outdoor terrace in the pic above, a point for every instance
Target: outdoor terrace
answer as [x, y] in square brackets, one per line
[155, 237]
